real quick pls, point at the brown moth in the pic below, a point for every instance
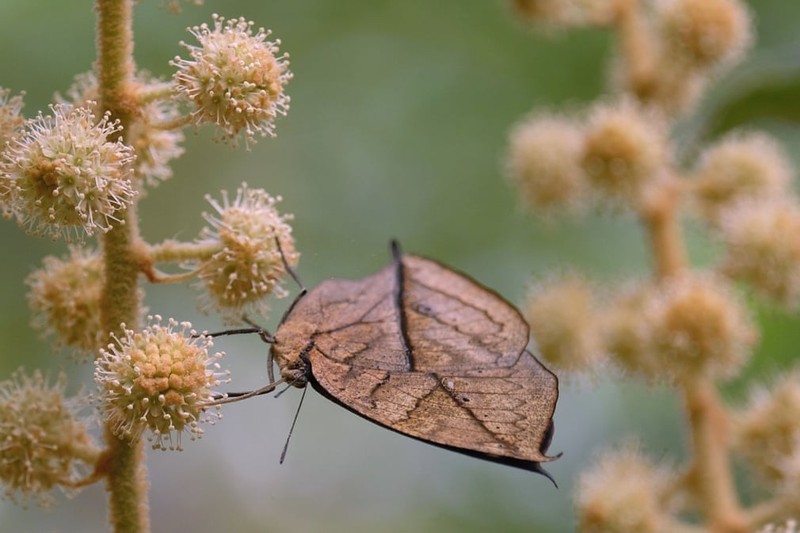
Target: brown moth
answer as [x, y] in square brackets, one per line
[427, 352]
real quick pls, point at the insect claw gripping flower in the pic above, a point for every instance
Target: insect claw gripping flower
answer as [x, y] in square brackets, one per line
[235, 79]
[159, 378]
[64, 178]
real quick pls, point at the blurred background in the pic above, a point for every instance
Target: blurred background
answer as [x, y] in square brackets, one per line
[398, 123]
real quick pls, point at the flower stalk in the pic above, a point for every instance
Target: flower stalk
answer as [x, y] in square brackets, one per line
[126, 472]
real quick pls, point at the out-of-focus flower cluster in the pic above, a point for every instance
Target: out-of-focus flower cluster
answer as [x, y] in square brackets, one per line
[44, 443]
[685, 327]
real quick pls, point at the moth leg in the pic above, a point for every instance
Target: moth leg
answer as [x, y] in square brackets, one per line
[269, 339]
[231, 397]
[263, 334]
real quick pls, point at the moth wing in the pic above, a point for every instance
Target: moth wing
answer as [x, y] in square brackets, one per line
[430, 353]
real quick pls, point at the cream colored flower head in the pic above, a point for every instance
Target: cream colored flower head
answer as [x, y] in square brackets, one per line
[65, 299]
[155, 147]
[251, 244]
[64, 177]
[44, 444]
[234, 78]
[159, 379]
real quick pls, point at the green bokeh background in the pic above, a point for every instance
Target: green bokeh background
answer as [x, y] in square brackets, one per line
[400, 113]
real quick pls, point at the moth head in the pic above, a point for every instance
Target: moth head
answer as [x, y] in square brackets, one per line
[292, 341]
[296, 373]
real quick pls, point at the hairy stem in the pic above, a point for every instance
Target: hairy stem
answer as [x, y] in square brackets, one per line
[172, 251]
[125, 470]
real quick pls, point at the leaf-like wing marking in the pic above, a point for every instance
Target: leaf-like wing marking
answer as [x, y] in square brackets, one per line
[504, 414]
[432, 354]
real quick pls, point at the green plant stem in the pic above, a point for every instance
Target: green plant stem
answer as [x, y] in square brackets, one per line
[124, 468]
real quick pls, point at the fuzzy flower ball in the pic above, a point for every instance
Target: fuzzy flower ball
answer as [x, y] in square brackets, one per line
[762, 247]
[161, 379]
[564, 322]
[624, 492]
[11, 120]
[543, 162]
[251, 243]
[767, 432]
[625, 149]
[681, 328]
[65, 299]
[155, 147]
[64, 178]
[234, 78]
[704, 33]
[43, 443]
[743, 165]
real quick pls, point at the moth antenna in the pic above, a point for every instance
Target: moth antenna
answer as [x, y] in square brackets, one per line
[288, 268]
[263, 333]
[231, 397]
[291, 429]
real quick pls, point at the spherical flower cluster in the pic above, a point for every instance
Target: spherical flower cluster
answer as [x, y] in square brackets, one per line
[564, 323]
[762, 247]
[252, 244]
[683, 327]
[64, 177]
[11, 123]
[11, 120]
[159, 378]
[65, 299]
[624, 492]
[544, 163]
[743, 165]
[625, 149]
[700, 327]
[767, 433]
[155, 147]
[235, 79]
[626, 334]
[43, 443]
[704, 33]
